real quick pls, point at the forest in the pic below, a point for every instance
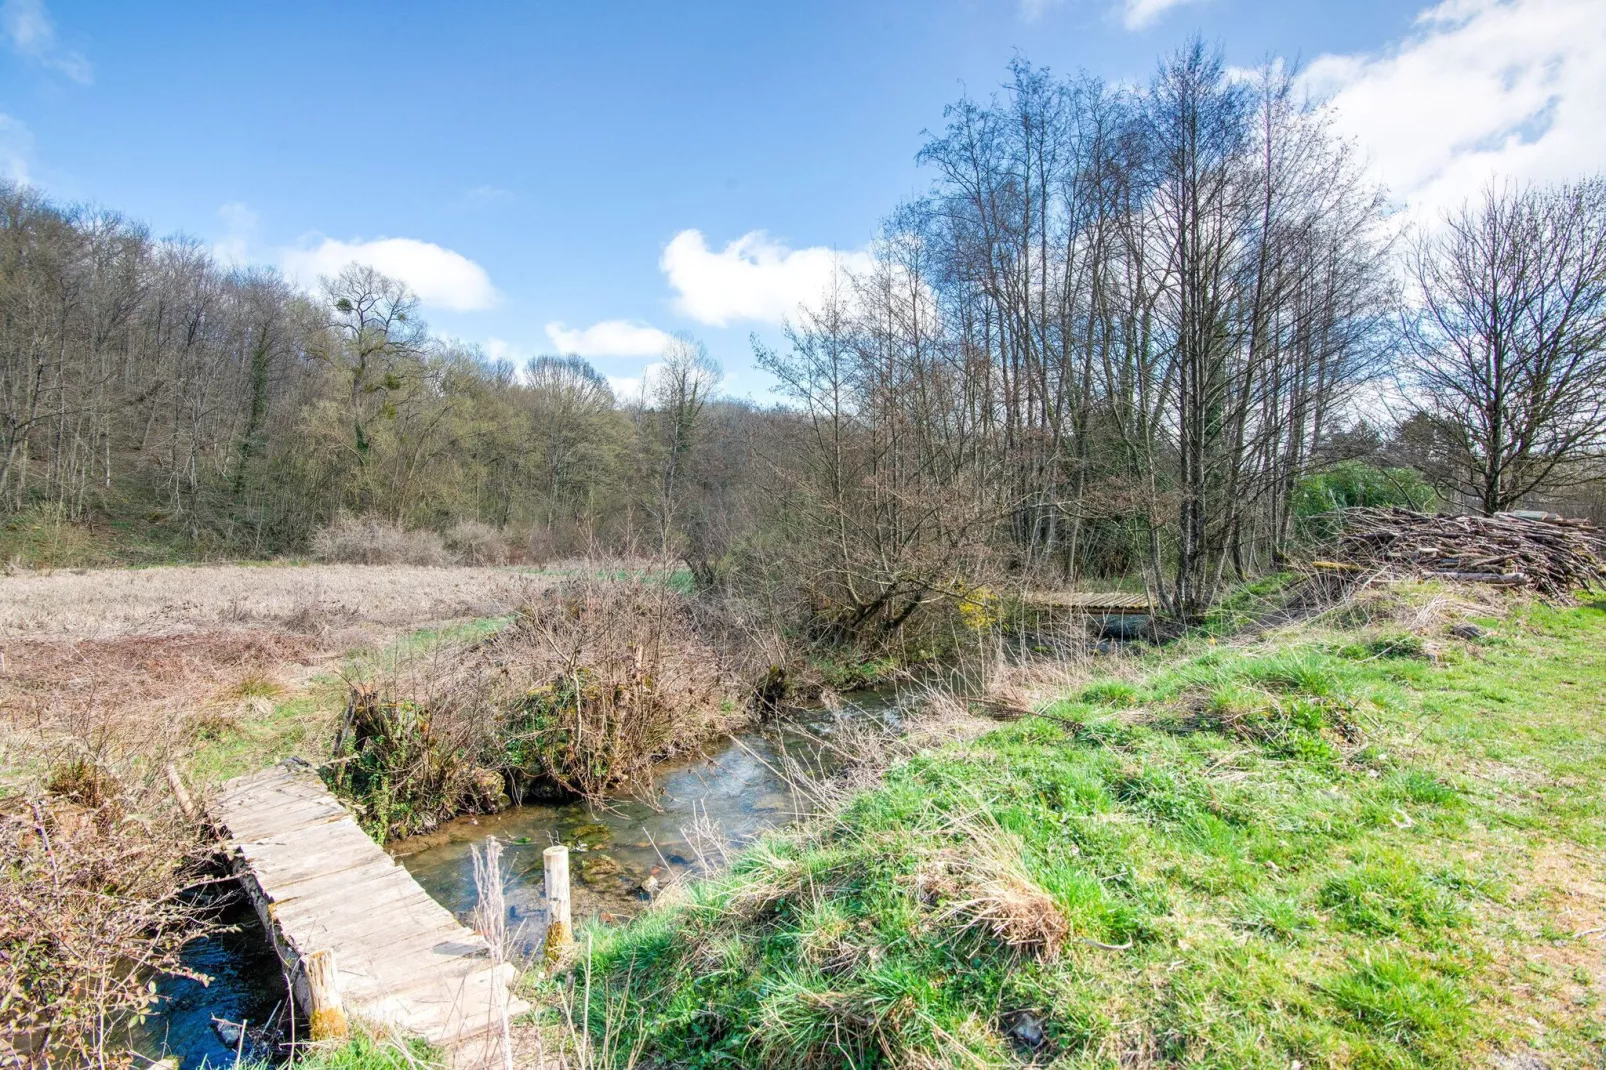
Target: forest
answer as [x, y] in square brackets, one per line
[1127, 331]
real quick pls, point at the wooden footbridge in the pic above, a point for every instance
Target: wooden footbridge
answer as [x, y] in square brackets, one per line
[355, 932]
[1092, 603]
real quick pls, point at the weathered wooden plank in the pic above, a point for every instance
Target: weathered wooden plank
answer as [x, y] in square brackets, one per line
[397, 932]
[353, 924]
[1089, 601]
[266, 824]
[280, 867]
[322, 885]
[465, 1009]
[380, 890]
[252, 783]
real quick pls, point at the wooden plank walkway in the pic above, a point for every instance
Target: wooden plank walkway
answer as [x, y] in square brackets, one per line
[1090, 601]
[319, 883]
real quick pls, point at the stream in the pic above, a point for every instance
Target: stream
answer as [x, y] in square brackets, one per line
[733, 788]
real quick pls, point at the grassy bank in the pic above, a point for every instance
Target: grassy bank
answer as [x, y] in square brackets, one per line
[1365, 843]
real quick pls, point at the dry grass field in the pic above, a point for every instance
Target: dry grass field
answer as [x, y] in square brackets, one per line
[115, 685]
[303, 599]
[179, 663]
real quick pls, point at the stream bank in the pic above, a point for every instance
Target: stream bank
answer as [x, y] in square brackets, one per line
[700, 805]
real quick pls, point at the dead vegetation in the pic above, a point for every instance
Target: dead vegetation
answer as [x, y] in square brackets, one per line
[986, 890]
[80, 682]
[345, 604]
[372, 540]
[1554, 557]
[473, 542]
[593, 682]
[90, 910]
[164, 659]
[617, 675]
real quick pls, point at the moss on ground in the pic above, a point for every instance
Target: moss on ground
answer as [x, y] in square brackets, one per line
[1329, 846]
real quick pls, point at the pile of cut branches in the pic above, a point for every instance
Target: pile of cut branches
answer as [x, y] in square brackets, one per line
[1551, 556]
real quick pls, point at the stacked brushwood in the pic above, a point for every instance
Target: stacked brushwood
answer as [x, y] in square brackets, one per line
[1552, 556]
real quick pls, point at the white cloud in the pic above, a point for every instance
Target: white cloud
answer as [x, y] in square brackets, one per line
[633, 387]
[440, 277]
[1481, 88]
[490, 195]
[239, 224]
[28, 27]
[610, 338]
[1138, 14]
[16, 148]
[753, 278]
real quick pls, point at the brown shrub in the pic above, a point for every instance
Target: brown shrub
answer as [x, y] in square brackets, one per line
[89, 913]
[557, 540]
[616, 675]
[476, 543]
[592, 683]
[372, 540]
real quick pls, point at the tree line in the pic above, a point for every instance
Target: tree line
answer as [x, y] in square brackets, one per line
[143, 383]
[1122, 333]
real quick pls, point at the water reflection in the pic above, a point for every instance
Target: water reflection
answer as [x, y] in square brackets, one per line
[734, 786]
[246, 985]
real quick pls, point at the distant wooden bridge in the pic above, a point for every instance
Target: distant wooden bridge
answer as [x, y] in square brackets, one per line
[355, 932]
[1092, 602]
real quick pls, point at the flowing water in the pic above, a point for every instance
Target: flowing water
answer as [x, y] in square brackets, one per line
[244, 985]
[720, 797]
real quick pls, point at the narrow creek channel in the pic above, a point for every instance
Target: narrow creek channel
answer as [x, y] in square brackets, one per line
[734, 786]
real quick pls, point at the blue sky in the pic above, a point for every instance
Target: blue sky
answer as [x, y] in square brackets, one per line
[586, 175]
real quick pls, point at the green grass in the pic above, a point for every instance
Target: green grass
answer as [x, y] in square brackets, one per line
[296, 726]
[363, 1052]
[1335, 847]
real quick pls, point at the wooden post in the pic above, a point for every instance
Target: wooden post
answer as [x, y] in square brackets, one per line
[327, 1015]
[559, 931]
[181, 794]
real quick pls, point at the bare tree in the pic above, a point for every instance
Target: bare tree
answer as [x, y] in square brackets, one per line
[1507, 338]
[677, 392]
[374, 331]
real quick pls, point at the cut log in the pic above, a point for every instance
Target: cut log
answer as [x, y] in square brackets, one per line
[181, 794]
[1505, 579]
